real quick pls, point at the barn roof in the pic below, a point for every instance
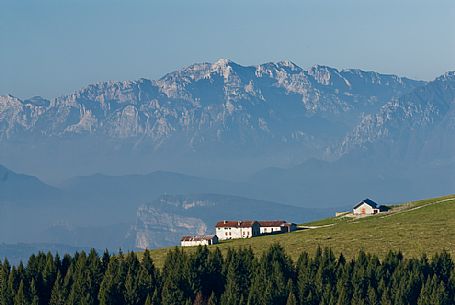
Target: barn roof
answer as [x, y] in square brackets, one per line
[197, 237]
[272, 223]
[235, 223]
[370, 202]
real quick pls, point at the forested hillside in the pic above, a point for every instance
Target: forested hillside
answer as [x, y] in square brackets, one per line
[239, 277]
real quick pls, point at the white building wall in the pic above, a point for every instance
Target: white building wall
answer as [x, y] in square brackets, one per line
[194, 243]
[224, 233]
[364, 209]
[268, 230]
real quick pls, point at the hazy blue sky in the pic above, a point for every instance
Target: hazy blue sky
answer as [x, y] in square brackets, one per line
[53, 47]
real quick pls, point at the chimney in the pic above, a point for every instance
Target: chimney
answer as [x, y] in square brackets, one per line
[225, 221]
[239, 222]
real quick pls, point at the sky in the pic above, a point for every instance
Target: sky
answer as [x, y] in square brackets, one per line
[53, 47]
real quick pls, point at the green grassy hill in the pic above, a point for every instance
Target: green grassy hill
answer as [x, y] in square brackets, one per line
[425, 226]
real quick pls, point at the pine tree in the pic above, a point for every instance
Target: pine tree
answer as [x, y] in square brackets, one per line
[271, 277]
[110, 292]
[433, 292]
[13, 281]
[20, 298]
[58, 293]
[94, 273]
[65, 265]
[307, 291]
[148, 300]
[176, 288]
[148, 276]
[212, 299]
[34, 296]
[82, 291]
[105, 260]
[215, 278]
[292, 300]
[372, 296]
[156, 297]
[6, 295]
[48, 277]
[239, 271]
[386, 299]
[132, 296]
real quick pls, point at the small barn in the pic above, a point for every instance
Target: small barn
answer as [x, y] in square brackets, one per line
[366, 207]
[198, 240]
[272, 226]
[289, 227]
[276, 226]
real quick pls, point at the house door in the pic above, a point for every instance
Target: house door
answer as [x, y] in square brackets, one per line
[363, 211]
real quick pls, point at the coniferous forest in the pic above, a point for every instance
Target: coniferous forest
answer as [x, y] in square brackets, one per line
[237, 278]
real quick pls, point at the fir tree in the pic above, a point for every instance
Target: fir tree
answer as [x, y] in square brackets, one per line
[292, 300]
[110, 292]
[20, 298]
[34, 295]
[176, 289]
[212, 299]
[58, 295]
[6, 295]
[148, 300]
[372, 296]
[239, 270]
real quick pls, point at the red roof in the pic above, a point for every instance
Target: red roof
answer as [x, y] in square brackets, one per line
[272, 223]
[197, 238]
[235, 224]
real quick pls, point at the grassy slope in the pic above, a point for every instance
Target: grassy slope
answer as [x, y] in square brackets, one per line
[425, 226]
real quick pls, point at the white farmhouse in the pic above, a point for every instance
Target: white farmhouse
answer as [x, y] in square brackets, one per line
[198, 240]
[366, 207]
[237, 229]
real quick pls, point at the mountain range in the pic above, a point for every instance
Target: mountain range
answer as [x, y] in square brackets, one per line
[253, 116]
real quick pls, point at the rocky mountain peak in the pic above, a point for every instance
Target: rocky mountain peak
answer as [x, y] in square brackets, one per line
[447, 77]
[289, 65]
[210, 105]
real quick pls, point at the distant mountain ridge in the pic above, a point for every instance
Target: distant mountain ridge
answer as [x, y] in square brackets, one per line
[418, 125]
[209, 104]
[24, 189]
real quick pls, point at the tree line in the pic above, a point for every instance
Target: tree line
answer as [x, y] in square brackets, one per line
[206, 277]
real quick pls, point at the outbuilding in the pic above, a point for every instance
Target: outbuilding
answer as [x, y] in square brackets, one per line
[198, 240]
[276, 226]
